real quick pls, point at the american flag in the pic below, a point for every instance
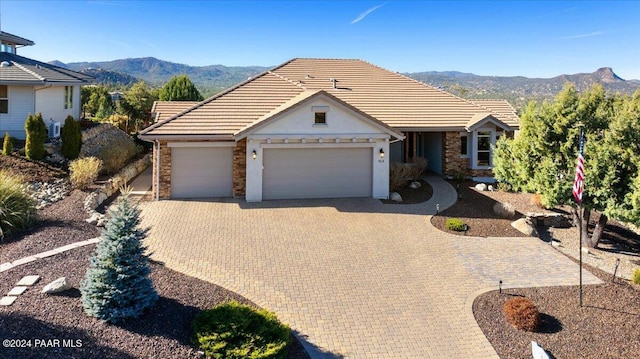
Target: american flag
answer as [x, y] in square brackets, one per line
[578, 182]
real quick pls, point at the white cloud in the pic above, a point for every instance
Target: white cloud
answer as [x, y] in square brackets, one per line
[364, 14]
[590, 34]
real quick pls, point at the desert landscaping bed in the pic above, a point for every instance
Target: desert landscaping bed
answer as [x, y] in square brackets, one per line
[607, 326]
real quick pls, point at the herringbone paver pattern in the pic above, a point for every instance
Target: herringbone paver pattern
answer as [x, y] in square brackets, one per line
[355, 278]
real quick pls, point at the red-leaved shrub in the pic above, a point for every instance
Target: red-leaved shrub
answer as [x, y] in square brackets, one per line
[522, 314]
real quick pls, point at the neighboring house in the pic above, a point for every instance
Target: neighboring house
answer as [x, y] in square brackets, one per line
[162, 110]
[319, 128]
[28, 87]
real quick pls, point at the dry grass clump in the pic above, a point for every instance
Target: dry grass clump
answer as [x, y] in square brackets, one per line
[522, 314]
[84, 171]
[536, 200]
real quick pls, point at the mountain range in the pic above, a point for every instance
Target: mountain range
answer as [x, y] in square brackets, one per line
[214, 78]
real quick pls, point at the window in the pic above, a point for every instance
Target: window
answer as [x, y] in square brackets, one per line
[68, 97]
[484, 148]
[4, 99]
[320, 118]
[464, 145]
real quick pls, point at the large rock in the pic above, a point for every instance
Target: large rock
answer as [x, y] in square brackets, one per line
[415, 185]
[504, 210]
[481, 187]
[524, 226]
[395, 196]
[59, 285]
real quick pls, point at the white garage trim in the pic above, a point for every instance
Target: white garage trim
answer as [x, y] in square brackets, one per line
[201, 172]
[313, 172]
[201, 144]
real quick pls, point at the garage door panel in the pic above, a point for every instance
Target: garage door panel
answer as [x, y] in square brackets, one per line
[317, 173]
[201, 172]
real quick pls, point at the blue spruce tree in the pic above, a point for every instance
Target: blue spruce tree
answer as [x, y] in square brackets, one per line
[117, 285]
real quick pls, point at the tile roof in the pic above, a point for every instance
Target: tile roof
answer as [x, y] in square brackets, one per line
[163, 110]
[501, 107]
[15, 69]
[396, 100]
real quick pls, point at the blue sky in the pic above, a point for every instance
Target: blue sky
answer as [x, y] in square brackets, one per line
[502, 38]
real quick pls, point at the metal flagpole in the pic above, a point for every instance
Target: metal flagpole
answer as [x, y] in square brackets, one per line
[581, 214]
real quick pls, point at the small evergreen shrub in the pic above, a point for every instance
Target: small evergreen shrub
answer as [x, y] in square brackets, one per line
[234, 330]
[17, 208]
[84, 171]
[636, 276]
[117, 153]
[71, 138]
[505, 187]
[7, 144]
[117, 284]
[36, 137]
[455, 224]
[522, 314]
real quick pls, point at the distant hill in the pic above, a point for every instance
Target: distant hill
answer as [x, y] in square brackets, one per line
[215, 78]
[209, 79]
[518, 89]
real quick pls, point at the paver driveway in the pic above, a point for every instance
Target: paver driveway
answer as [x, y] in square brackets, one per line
[354, 278]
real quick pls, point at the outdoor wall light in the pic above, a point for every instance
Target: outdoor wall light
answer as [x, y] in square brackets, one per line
[254, 154]
[381, 153]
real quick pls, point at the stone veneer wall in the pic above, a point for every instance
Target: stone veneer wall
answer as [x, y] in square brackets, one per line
[165, 171]
[240, 168]
[452, 162]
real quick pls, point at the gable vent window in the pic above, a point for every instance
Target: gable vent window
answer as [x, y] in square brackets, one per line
[4, 99]
[320, 114]
[68, 97]
[320, 118]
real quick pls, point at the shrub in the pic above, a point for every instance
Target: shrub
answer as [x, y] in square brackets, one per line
[459, 176]
[418, 166]
[399, 175]
[234, 330]
[71, 138]
[117, 153]
[455, 224]
[36, 137]
[504, 210]
[122, 122]
[7, 144]
[505, 187]
[84, 171]
[117, 285]
[522, 314]
[636, 276]
[17, 208]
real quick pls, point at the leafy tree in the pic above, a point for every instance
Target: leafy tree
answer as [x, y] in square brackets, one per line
[71, 138]
[36, 137]
[180, 88]
[117, 285]
[542, 157]
[93, 97]
[137, 103]
[7, 144]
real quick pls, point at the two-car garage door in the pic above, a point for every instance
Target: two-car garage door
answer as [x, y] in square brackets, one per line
[317, 173]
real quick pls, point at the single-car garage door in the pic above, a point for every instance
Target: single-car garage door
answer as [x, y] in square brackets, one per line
[317, 173]
[201, 172]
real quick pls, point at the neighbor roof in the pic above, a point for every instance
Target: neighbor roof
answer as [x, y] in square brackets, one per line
[395, 100]
[163, 110]
[14, 39]
[503, 108]
[15, 69]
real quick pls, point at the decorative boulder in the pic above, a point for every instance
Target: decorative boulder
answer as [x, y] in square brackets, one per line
[490, 188]
[524, 226]
[504, 210]
[395, 196]
[57, 286]
[416, 184]
[481, 187]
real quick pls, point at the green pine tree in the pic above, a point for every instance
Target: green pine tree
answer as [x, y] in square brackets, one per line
[36, 137]
[7, 144]
[71, 138]
[117, 285]
[180, 88]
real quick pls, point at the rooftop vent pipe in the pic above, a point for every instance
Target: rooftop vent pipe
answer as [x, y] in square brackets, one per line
[334, 82]
[5, 64]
